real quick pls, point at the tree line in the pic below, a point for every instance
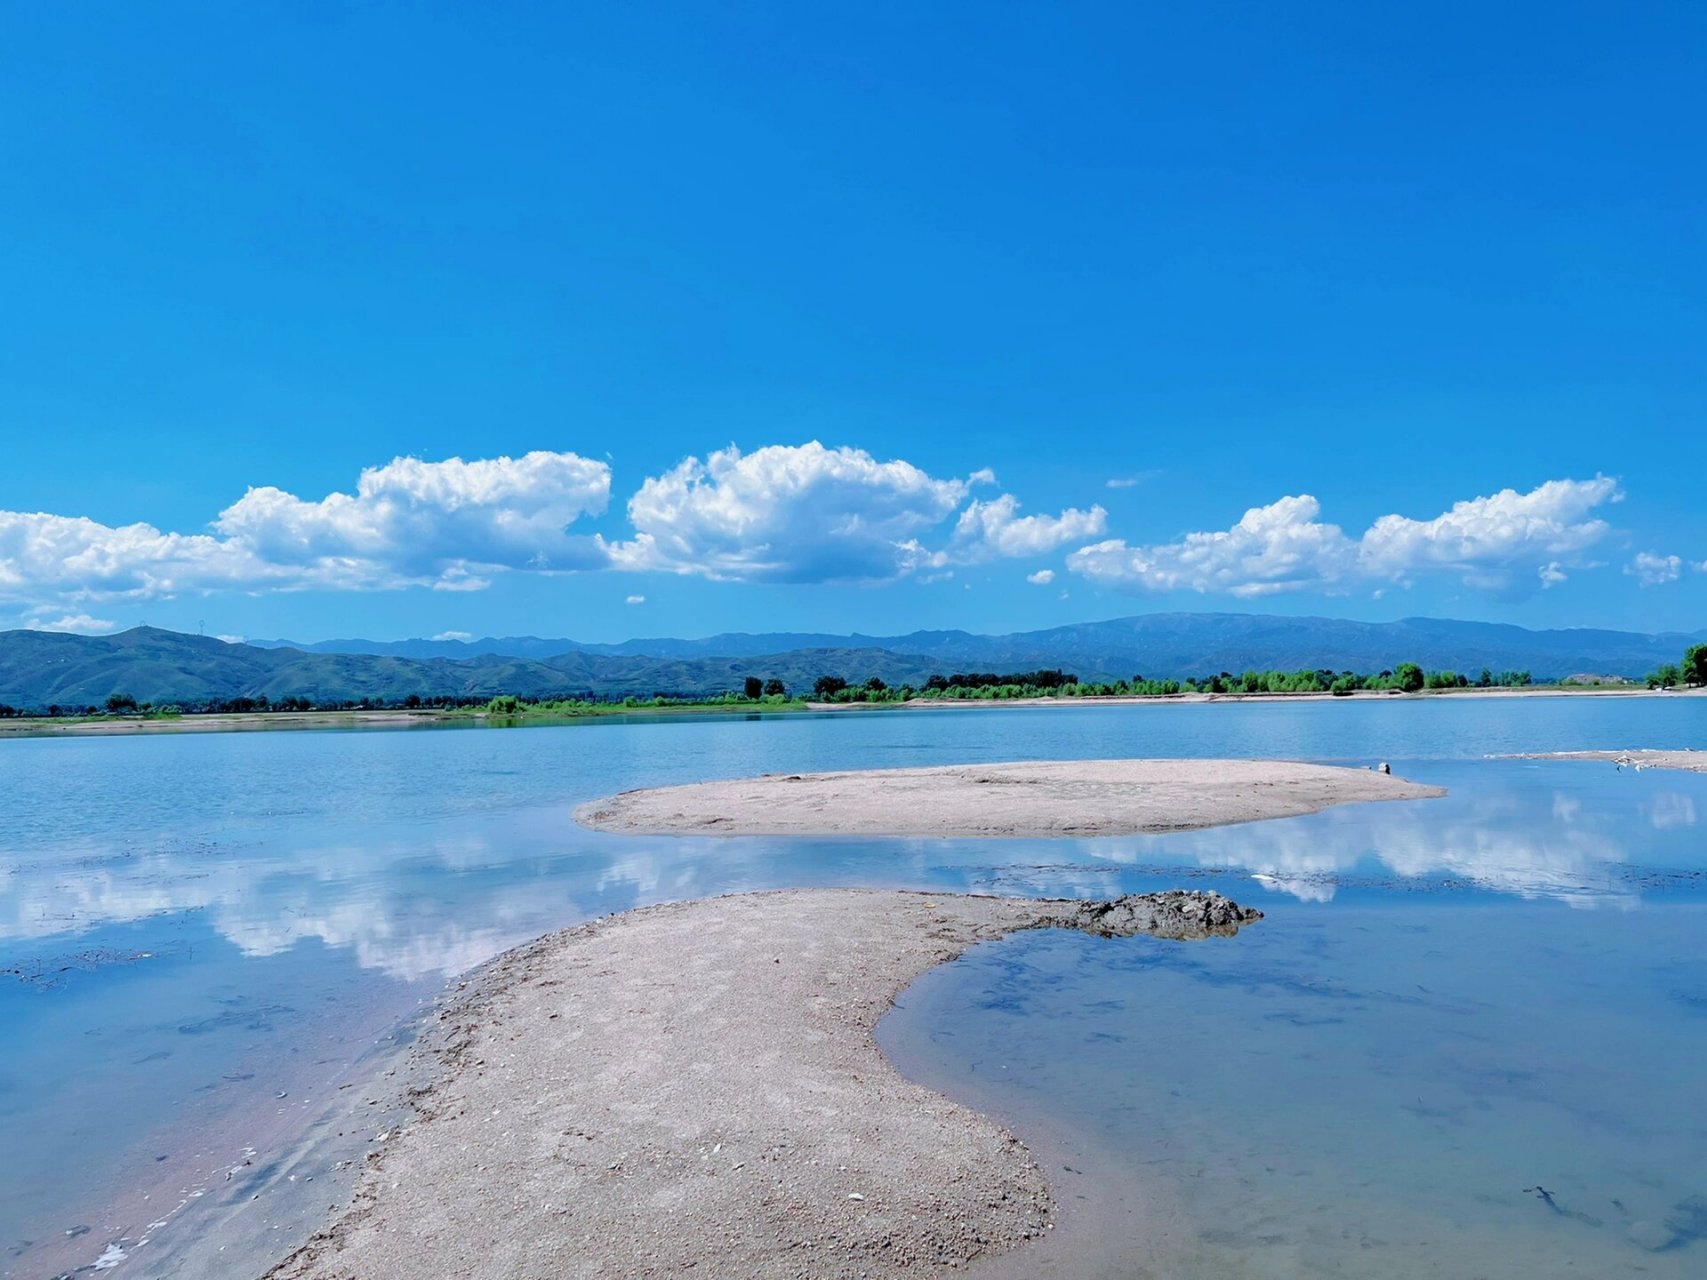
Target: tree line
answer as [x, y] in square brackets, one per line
[1406, 677]
[1692, 671]
[754, 691]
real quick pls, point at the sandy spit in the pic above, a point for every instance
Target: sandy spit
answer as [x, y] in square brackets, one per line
[1038, 798]
[1688, 761]
[694, 1087]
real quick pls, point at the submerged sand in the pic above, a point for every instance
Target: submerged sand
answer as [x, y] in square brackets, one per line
[1688, 761]
[695, 1087]
[1035, 798]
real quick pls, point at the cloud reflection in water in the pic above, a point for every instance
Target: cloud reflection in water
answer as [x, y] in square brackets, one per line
[420, 902]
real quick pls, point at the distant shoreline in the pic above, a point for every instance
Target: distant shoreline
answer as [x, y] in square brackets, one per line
[393, 718]
[403, 718]
[1360, 695]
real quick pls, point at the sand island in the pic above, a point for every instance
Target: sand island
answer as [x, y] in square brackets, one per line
[696, 1086]
[1688, 761]
[1033, 798]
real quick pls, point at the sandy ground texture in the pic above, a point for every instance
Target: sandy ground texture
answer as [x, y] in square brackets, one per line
[1688, 761]
[1038, 798]
[694, 1088]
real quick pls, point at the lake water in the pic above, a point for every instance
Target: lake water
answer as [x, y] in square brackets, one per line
[1468, 1039]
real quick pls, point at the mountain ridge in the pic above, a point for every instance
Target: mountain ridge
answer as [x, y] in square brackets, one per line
[1173, 644]
[40, 669]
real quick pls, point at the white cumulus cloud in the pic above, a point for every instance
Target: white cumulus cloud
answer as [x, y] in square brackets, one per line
[996, 528]
[1507, 542]
[789, 513]
[1494, 542]
[1652, 570]
[635, 600]
[439, 524]
[47, 557]
[78, 623]
[462, 636]
[1280, 547]
[429, 522]
[1042, 578]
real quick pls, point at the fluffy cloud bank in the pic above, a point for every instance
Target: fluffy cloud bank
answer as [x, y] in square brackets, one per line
[806, 513]
[785, 513]
[434, 523]
[780, 514]
[1509, 542]
[409, 523]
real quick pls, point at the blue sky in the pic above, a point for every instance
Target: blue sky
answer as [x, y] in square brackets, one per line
[673, 319]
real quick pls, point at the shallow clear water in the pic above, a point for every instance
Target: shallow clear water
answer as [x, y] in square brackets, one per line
[200, 934]
[1398, 1088]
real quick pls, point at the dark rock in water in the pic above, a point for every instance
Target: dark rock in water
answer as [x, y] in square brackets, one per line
[1175, 914]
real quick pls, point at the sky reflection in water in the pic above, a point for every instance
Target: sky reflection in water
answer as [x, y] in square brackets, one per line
[188, 925]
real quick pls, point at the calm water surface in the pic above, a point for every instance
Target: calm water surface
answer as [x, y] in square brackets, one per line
[1451, 1001]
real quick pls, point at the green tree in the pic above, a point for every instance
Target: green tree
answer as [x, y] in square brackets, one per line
[119, 703]
[1664, 678]
[828, 686]
[505, 704]
[775, 688]
[1408, 676]
[1694, 669]
[754, 688]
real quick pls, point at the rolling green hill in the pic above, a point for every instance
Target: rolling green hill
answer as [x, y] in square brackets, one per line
[41, 669]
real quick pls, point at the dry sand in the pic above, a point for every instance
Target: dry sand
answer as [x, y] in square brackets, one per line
[1039, 798]
[694, 1088]
[1688, 761]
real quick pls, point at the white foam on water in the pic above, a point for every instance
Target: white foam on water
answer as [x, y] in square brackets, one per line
[110, 1258]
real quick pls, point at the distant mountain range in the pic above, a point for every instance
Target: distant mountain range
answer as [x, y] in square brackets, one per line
[41, 668]
[1156, 644]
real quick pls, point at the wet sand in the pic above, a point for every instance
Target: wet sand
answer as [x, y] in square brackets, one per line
[1031, 799]
[695, 1086]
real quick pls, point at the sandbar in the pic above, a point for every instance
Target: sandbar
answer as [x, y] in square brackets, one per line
[1648, 758]
[695, 1086]
[1027, 799]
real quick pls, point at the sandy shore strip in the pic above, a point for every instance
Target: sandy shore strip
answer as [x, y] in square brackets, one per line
[695, 1086]
[1035, 799]
[1647, 758]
